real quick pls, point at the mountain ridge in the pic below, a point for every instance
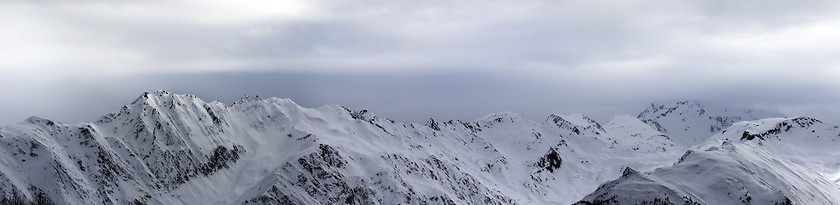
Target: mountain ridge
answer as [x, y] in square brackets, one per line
[166, 148]
[692, 123]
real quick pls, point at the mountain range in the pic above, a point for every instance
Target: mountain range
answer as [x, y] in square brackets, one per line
[166, 148]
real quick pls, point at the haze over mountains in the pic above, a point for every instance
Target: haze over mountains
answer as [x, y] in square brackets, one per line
[166, 148]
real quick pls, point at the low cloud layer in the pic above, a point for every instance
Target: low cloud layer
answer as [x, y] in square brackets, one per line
[416, 97]
[411, 60]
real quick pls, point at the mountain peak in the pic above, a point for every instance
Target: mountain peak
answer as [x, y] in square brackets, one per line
[159, 96]
[576, 123]
[663, 108]
[500, 117]
[575, 119]
[248, 98]
[765, 129]
[688, 122]
[432, 124]
[39, 121]
[629, 171]
[169, 148]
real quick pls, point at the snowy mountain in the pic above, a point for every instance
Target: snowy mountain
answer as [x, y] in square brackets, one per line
[727, 173]
[166, 148]
[636, 135]
[805, 141]
[151, 146]
[689, 123]
[768, 161]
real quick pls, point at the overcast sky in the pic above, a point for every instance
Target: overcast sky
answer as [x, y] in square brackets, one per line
[411, 60]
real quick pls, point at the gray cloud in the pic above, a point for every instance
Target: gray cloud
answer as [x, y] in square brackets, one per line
[411, 60]
[415, 97]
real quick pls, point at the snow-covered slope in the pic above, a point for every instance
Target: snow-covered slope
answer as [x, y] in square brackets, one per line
[634, 134]
[768, 161]
[726, 173]
[149, 147]
[689, 123]
[802, 140]
[501, 158]
[166, 148]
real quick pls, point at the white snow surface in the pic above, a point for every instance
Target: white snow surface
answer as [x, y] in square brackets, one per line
[632, 133]
[167, 148]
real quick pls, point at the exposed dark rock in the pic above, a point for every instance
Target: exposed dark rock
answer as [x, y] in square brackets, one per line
[551, 161]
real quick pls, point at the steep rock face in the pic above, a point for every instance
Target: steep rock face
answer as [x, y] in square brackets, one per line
[178, 137]
[725, 173]
[550, 162]
[577, 123]
[689, 123]
[125, 157]
[314, 178]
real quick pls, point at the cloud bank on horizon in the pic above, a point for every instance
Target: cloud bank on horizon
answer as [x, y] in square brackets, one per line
[417, 59]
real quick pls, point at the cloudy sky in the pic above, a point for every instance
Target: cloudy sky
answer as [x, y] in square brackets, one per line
[410, 60]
